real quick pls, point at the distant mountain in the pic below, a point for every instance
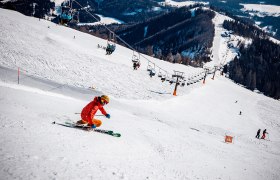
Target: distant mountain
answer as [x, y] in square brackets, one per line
[170, 36]
[36, 8]
[129, 11]
[258, 66]
[234, 7]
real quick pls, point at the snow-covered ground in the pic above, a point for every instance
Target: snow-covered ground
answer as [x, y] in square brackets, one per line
[225, 48]
[103, 20]
[55, 49]
[163, 137]
[261, 10]
[183, 3]
[5, 1]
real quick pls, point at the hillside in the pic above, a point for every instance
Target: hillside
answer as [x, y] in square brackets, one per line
[163, 137]
[80, 52]
[170, 36]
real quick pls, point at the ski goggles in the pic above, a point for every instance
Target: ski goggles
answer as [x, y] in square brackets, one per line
[104, 102]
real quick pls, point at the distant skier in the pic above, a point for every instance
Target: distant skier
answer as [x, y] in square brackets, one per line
[258, 134]
[240, 113]
[90, 109]
[264, 132]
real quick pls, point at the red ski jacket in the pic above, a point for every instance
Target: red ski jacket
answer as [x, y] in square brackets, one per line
[89, 110]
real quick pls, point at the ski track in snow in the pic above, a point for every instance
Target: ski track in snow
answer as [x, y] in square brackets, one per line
[163, 137]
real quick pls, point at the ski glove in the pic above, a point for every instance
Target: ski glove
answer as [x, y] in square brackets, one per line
[108, 116]
[93, 126]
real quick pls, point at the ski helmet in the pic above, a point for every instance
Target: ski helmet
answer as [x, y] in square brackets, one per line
[105, 98]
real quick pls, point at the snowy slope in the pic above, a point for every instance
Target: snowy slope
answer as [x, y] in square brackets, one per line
[224, 49]
[163, 137]
[183, 3]
[53, 50]
[261, 10]
[103, 20]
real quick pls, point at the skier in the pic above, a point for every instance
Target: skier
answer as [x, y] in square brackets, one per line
[240, 113]
[136, 65]
[258, 134]
[264, 132]
[91, 108]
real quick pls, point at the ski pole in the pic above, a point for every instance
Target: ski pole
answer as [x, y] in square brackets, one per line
[95, 115]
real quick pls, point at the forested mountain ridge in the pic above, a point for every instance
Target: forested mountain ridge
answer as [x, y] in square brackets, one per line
[171, 35]
[258, 66]
[36, 8]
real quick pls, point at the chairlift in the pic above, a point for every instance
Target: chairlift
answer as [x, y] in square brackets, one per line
[136, 65]
[136, 61]
[135, 58]
[183, 83]
[159, 74]
[163, 78]
[167, 78]
[75, 17]
[172, 81]
[111, 43]
[149, 67]
[152, 72]
[68, 13]
[65, 17]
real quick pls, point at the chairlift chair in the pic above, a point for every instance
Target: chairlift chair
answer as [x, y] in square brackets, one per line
[67, 13]
[135, 59]
[163, 78]
[172, 81]
[75, 17]
[149, 67]
[111, 43]
[159, 74]
[65, 17]
[154, 72]
[167, 78]
[183, 83]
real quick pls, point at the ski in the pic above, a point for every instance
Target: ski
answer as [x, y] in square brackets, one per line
[87, 128]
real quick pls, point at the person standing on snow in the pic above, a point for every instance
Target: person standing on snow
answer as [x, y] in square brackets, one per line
[91, 108]
[258, 134]
[264, 132]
